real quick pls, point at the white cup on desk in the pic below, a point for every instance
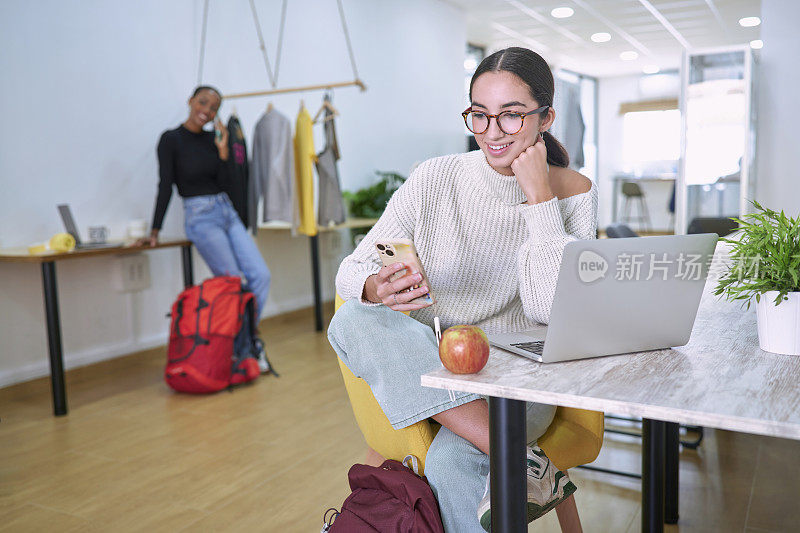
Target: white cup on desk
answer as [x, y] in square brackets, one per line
[137, 228]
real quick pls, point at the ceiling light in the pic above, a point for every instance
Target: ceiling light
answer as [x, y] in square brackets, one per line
[628, 55]
[650, 69]
[562, 12]
[601, 37]
[757, 44]
[749, 22]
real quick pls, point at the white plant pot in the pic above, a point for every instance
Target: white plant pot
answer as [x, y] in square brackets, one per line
[779, 325]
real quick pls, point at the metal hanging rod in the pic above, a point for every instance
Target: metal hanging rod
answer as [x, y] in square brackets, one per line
[356, 83]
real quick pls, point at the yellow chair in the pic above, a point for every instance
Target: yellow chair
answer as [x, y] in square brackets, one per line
[574, 437]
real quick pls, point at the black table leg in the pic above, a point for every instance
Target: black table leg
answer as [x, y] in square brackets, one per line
[653, 441]
[315, 275]
[188, 271]
[54, 338]
[672, 464]
[507, 465]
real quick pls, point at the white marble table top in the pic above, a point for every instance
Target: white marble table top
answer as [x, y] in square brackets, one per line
[720, 379]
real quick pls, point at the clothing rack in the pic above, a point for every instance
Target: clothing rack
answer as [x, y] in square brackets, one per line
[273, 77]
[354, 83]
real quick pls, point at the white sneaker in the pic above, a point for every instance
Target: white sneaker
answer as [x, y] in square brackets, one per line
[547, 487]
[263, 364]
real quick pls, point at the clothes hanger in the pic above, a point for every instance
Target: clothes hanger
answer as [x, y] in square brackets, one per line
[326, 104]
[269, 106]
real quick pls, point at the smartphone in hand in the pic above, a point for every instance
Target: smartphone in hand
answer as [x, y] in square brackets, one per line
[403, 251]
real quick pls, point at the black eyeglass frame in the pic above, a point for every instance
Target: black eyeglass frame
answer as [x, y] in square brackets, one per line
[489, 118]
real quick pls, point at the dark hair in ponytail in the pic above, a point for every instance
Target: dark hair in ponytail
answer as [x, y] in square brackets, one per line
[201, 88]
[533, 70]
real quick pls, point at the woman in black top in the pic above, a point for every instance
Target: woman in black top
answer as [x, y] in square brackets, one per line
[196, 161]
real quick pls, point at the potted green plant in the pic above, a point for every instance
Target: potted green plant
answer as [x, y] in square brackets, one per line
[765, 256]
[371, 201]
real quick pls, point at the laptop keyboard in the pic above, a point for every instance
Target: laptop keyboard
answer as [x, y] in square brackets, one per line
[535, 347]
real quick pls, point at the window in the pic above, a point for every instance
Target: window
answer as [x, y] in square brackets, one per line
[474, 55]
[651, 141]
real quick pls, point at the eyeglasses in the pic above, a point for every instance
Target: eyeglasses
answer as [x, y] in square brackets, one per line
[509, 122]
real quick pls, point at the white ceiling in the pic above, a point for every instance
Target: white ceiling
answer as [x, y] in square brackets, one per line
[657, 30]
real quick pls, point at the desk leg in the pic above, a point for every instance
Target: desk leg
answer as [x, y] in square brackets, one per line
[672, 466]
[315, 275]
[54, 338]
[188, 271]
[653, 441]
[507, 465]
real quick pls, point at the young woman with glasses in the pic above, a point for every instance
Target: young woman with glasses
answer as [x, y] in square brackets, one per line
[195, 161]
[490, 227]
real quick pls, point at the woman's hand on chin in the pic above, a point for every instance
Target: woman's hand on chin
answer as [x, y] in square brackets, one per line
[530, 169]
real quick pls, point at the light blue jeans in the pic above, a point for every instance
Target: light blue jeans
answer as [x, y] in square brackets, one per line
[390, 351]
[217, 232]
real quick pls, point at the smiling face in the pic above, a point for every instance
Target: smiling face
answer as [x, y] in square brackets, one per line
[497, 91]
[203, 108]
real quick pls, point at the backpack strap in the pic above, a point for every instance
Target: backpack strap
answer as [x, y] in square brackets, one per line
[327, 522]
[412, 463]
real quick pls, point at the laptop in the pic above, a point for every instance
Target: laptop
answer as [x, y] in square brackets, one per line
[618, 296]
[72, 229]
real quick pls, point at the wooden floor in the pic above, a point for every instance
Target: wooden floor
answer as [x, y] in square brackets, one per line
[133, 456]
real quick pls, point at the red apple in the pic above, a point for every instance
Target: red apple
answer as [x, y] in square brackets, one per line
[464, 349]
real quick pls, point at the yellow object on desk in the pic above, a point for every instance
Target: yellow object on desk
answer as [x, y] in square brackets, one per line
[304, 155]
[60, 242]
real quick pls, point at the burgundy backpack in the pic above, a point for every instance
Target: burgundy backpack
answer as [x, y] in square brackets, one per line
[387, 499]
[212, 341]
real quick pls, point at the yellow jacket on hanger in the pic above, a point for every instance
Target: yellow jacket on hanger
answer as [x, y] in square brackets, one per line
[304, 156]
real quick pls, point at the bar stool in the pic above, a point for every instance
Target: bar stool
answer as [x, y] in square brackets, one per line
[633, 193]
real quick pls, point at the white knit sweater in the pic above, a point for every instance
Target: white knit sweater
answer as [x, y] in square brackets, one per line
[491, 260]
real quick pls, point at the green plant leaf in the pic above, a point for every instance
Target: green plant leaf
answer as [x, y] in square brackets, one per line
[370, 201]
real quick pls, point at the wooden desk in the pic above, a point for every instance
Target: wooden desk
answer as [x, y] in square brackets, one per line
[720, 379]
[50, 290]
[350, 223]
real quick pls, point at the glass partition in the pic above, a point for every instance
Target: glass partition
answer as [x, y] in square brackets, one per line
[716, 173]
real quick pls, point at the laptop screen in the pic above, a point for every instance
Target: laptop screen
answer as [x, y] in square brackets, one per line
[69, 222]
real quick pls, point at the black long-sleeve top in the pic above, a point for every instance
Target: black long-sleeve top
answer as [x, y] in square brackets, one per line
[190, 161]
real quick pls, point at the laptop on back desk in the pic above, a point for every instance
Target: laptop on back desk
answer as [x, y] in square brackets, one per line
[69, 225]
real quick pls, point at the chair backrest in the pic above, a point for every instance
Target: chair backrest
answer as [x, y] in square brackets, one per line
[719, 225]
[631, 189]
[618, 231]
[377, 430]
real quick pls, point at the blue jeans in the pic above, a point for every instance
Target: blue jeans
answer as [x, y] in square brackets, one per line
[390, 351]
[217, 232]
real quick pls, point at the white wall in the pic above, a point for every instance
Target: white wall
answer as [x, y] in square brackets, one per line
[88, 88]
[778, 179]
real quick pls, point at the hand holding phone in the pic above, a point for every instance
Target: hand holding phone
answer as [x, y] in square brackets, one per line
[220, 133]
[402, 283]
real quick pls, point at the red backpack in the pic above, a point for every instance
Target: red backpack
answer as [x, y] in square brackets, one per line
[212, 340]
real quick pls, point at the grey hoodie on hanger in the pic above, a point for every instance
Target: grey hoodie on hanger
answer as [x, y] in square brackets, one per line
[272, 168]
